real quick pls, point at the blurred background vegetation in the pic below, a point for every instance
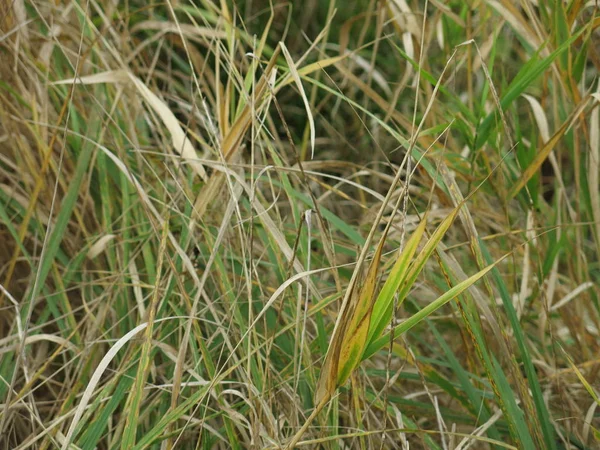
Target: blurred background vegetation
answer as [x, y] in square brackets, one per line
[186, 189]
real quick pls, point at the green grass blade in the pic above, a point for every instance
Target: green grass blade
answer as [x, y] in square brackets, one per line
[417, 318]
[383, 309]
[425, 254]
[527, 75]
[531, 373]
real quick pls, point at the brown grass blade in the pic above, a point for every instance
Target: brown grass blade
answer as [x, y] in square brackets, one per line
[547, 148]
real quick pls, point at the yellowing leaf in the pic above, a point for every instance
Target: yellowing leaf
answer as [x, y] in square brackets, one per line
[235, 135]
[588, 387]
[356, 336]
[319, 65]
[351, 336]
[547, 148]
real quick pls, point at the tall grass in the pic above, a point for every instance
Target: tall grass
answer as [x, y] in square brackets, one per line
[269, 224]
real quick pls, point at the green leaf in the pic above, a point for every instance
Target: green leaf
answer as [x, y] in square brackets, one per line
[417, 318]
[532, 378]
[383, 309]
[527, 75]
[418, 264]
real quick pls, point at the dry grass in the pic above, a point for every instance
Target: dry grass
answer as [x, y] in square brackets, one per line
[190, 191]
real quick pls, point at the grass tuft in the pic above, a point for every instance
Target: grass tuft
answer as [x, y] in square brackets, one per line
[256, 224]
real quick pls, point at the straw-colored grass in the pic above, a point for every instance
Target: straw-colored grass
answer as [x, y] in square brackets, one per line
[315, 224]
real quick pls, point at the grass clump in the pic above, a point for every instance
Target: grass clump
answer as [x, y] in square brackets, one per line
[278, 224]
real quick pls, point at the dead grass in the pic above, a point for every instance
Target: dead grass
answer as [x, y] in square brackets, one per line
[189, 193]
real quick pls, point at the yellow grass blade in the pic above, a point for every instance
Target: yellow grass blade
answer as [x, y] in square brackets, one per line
[356, 335]
[351, 336]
